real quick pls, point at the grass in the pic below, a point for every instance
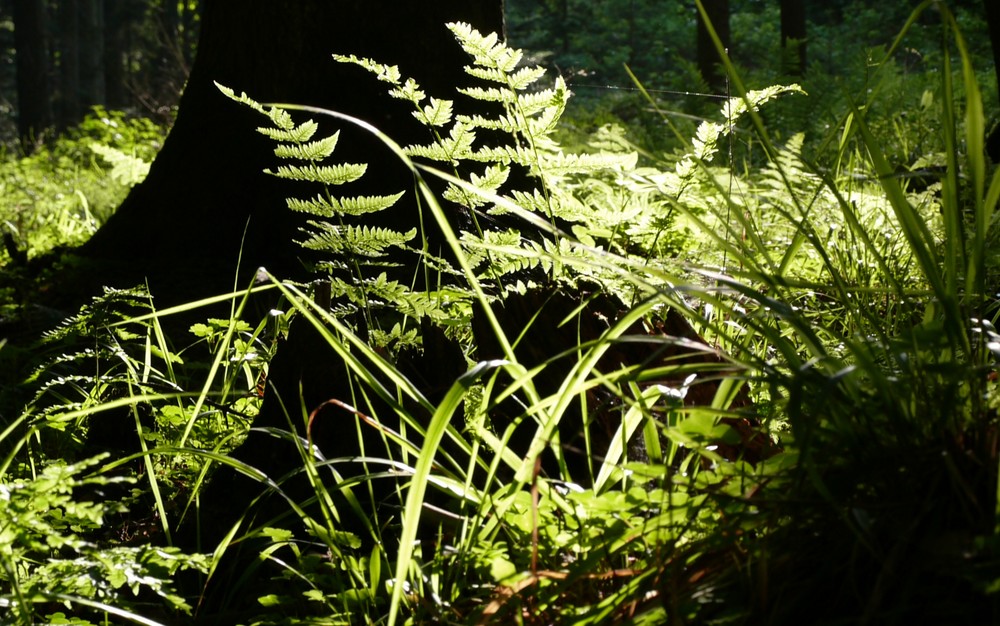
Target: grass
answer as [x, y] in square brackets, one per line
[839, 311]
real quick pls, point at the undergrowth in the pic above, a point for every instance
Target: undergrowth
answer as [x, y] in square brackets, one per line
[61, 193]
[676, 389]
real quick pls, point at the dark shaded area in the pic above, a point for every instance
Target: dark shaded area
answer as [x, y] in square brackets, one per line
[793, 37]
[312, 393]
[992, 10]
[34, 113]
[206, 206]
[707, 57]
[553, 326]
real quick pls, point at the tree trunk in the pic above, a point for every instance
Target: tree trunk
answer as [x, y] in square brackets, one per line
[91, 55]
[793, 37]
[34, 109]
[992, 9]
[717, 12]
[206, 205]
[116, 21]
[69, 63]
[168, 63]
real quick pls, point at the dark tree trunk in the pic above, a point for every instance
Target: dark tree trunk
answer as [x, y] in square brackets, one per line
[184, 226]
[189, 31]
[116, 22]
[793, 37]
[34, 109]
[992, 9]
[91, 54]
[206, 203]
[708, 58]
[168, 62]
[69, 63]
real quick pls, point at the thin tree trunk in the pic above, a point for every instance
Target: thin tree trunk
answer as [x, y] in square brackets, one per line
[190, 20]
[992, 8]
[793, 37]
[708, 58]
[91, 54]
[168, 73]
[34, 108]
[69, 63]
[116, 26]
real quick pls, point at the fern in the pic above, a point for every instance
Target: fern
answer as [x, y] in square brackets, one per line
[126, 169]
[327, 206]
[607, 201]
[357, 240]
[296, 144]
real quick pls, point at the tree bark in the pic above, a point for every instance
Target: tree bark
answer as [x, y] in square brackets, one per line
[708, 58]
[206, 204]
[793, 37]
[34, 109]
[91, 54]
[69, 63]
[992, 9]
[116, 22]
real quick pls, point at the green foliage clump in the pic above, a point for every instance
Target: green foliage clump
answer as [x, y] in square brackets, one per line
[835, 442]
[47, 559]
[60, 194]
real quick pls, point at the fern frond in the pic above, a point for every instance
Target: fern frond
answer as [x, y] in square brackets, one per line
[457, 145]
[308, 151]
[734, 108]
[125, 168]
[487, 73]
[525, 77]
[437, 113]
[243, 98]
[488, 183]
[487, 50]
[489, 94]
[365, 241]
[534, 201]
[409, 91]
[505, 123]
[533, 103]
[330, 207]
[299, 134]
[326, 174]
[385, 73]
[561, 164]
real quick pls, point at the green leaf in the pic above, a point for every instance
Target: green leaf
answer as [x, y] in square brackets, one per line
[326, 174]
[437, 113]
[311, 151]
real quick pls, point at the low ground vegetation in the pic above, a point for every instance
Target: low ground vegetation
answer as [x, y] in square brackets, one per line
[808, 433]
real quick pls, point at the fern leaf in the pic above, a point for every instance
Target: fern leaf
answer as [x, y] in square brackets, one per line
[457, 145]
[487, 73]
[563, 164]
[125, 169]
[490, 94]
[300, 134]
[360, 240]
[243, 98]
[409, 91]
[309, 151]
[330, 207]
[437, 113]
[326, 174]
[279, 117]
[504, 123]
[487, 50]
[385, 73]
[525, 77]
